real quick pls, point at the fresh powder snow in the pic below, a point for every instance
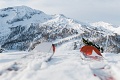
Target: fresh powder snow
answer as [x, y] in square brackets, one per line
[65, 64]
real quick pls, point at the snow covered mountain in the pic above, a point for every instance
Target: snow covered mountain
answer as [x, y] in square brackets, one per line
[20, 26]
[108, 26]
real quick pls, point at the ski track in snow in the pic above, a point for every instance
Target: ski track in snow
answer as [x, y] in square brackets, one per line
[102, 69]
[64, 65]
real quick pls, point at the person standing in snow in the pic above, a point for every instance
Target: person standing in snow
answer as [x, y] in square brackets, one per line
[53, 47]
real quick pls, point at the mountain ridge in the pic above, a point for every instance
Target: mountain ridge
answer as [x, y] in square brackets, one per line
[22, 26]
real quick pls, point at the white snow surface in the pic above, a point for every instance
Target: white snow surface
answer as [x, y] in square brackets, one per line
[65, 64]
[108, 26]
[26, 14]
[44, 47]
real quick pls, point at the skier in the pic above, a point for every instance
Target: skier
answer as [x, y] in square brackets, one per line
[53, 46]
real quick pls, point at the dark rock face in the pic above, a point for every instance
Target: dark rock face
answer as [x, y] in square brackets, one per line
[20, 38]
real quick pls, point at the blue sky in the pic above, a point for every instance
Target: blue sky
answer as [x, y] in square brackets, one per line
[81, 10]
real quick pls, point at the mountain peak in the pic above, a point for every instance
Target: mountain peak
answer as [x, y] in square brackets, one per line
[21, 25]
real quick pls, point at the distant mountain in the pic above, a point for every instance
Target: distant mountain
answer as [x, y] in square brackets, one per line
[107, 26]
[20, 26]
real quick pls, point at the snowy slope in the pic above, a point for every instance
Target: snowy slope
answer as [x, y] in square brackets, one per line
[21, 25]
[66, 64]
[107, 26]
[24, 15]
[19, 17]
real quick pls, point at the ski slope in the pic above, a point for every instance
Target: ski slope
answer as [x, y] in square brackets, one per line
[66, 64]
